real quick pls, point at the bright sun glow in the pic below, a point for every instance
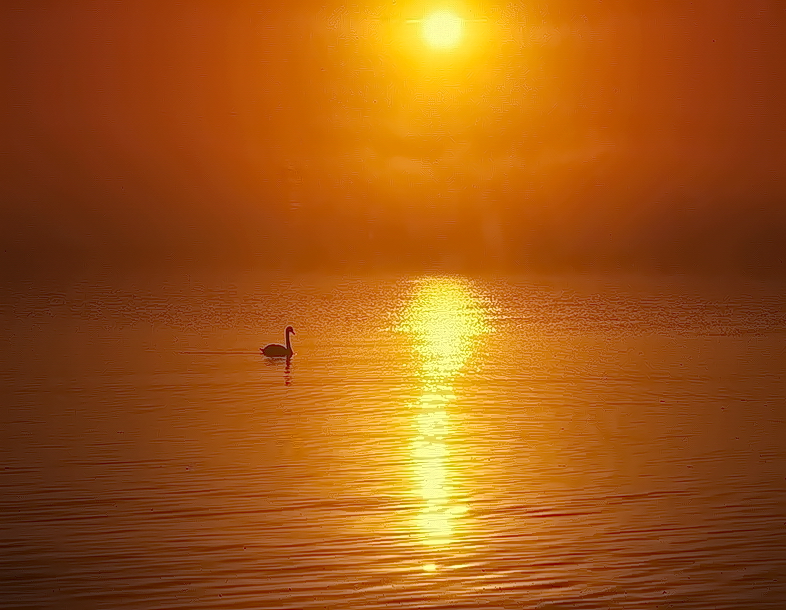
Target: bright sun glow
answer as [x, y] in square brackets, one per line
[442, 29]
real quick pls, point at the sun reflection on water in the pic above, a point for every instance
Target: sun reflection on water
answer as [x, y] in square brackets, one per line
[444, 320]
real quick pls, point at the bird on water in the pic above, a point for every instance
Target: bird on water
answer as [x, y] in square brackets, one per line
[279, 351]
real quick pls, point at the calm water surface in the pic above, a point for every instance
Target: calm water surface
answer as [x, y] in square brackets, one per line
[434, 442]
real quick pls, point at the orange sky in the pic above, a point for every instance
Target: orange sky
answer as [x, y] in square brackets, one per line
[556, 133]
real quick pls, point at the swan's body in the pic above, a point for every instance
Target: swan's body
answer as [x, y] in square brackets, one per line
[279, 351]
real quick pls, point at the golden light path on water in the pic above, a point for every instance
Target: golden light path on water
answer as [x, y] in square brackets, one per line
[444, 320]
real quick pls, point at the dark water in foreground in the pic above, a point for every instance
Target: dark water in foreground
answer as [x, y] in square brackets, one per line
[435, 442]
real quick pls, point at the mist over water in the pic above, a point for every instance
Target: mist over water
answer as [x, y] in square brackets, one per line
[536, 279]
[436, 441]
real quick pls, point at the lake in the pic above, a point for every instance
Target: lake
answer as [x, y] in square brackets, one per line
[435, 442]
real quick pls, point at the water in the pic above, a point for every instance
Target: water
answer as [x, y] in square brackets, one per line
[436, 442]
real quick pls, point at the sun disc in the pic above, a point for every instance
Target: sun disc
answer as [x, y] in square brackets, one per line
[442, 29]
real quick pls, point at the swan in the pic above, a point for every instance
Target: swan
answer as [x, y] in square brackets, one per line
[279, 351]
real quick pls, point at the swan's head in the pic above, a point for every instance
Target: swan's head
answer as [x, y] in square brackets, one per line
[289, 330]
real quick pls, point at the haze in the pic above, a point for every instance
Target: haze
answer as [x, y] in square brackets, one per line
[311, 135]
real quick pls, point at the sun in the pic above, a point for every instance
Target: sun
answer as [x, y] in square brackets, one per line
[442, 29]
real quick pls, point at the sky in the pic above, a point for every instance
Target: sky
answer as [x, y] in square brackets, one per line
[602, 134]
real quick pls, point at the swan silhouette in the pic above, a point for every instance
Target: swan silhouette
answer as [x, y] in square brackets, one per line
[279, 351]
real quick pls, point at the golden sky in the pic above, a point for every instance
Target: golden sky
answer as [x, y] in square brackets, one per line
[560, 130]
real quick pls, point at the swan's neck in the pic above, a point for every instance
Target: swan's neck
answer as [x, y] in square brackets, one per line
[289, 345]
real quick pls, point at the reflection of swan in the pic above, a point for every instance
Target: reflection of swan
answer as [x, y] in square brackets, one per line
[279, 351]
